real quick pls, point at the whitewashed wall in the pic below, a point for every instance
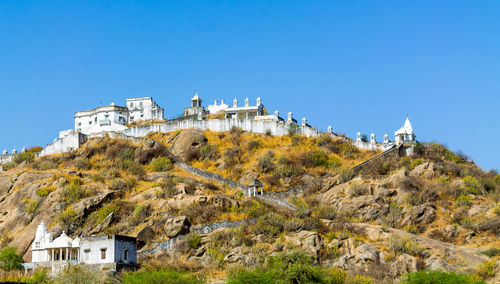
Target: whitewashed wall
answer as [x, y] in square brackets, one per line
[71, 141]
[219, 125]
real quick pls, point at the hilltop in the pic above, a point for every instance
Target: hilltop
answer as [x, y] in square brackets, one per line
[182, 194]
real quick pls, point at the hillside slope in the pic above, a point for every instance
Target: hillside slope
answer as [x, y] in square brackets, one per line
[434, 210]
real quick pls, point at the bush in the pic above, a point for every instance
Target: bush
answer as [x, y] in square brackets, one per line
[121, 184]
[269, 224]
[496, 209]
[487, 269]
[472, 184]
[167, 276]
[24, 157]
[98, 216]
[10, 259]
[491, 252]
[416, 162]
[69, 220]
[345, 174]
[357, 189]
[431, 277]
[287, 171]
[194, 240]
[161, 164]
[73, 192]
[265, 163]
[35, 149]
[83, 164]
[44, 191]
[209, 152]
[406, 245]
[325, 212]
[201, 214]
[30, 205]
[293, 225]
[81, 274]
[464, 201]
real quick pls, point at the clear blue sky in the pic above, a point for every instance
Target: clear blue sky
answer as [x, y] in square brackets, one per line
[355, 65]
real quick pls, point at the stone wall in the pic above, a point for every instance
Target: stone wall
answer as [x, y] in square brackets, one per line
[71, 141]
[220, 125]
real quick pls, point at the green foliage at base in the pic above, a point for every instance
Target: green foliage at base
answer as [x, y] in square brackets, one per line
[10, 259]
[432, 277]
[166, 276]
[295, 267]
[161, 164]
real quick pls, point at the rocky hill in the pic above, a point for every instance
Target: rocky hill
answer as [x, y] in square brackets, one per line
[182, 194]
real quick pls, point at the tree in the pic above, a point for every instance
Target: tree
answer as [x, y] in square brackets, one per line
[10, 259]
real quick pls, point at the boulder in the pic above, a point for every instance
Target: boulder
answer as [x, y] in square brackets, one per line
[188, 143]
[150, 150]
[366, 253]
[100, 227]
[55, 231]
[146, 234]
[176, 226]
[234, 256]
[436, 263]
[309, 241]
[403, 264]
[422, 214]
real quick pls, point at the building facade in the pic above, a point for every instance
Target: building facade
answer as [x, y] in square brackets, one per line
[109, 252]
[143, 109]
[104, 118]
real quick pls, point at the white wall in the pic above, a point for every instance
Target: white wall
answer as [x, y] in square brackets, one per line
[219, 125]
[71, 141]
[95, 244]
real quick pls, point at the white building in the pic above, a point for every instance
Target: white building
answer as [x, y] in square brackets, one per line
[215, 108]
[144, 109]
[405, 134]
[110, 252]
[104, 118]
[196, 108]
[245, 112]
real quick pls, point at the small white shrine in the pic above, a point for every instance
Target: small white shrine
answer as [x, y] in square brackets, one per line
[110, 252]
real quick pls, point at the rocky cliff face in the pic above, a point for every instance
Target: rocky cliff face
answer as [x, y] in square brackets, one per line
[430, 211]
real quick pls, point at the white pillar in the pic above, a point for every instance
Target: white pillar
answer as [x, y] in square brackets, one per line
[254, 189]
[52, 254]
[262, 191]
[329, 129]
[60, 254]
[66, 255]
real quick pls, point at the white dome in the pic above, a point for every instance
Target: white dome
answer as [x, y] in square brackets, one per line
[62, 241]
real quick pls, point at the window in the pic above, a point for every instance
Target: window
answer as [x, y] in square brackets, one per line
[79, 124]
[106, 116]
[86, 254]
[103, 253]
[125, 254]
[90, 122]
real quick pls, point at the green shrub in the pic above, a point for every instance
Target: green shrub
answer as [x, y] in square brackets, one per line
[254, 208]
[357, 189]
[10, 259]
[166, 276]
[40, 276]
[293, 225]
[161, 164]
[132, 168]
[265, 163]
[444, 180]
[431, 277]
[121, 184]
[406, 245]
[491, 252]
[496, 209]
[35, 149]
[73, 192]
[345, 174]
[24, 156]
[464, 201]
[83, 164]
[318, 158]
[269, 224]
[472, 184]
[325, 212]
[487, 269]
[287, 171]
[194, 240]
[30, 205]
[44, 191]
[99, 215]
[209, 152]
[69, 220]
[81, 274]
[416, 162]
